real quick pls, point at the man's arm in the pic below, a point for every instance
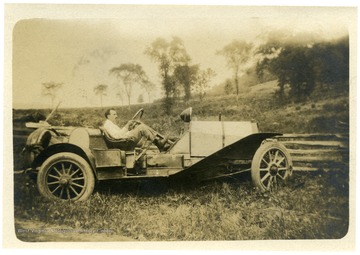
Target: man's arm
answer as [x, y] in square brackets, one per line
[114, 131]
[131, 124]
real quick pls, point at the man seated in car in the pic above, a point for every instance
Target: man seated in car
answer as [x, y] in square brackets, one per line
[133, 130]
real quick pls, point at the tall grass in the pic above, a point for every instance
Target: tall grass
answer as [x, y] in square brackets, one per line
[310, 206]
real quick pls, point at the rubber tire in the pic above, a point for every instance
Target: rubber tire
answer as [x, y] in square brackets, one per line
[255, 163]
[66, 156]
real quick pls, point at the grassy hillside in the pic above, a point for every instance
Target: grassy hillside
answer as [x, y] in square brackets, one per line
[324, 112]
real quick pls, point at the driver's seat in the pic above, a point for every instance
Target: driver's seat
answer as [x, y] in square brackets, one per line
[126, 144]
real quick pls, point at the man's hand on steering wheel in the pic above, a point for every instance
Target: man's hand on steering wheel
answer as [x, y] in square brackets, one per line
[132, 124]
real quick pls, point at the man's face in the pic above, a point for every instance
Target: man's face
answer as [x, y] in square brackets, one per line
[112, 116]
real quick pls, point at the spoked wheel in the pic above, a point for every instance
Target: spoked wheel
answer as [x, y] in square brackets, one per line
[66, 176]
[270, 166]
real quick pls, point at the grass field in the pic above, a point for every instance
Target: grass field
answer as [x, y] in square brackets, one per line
[312, 205]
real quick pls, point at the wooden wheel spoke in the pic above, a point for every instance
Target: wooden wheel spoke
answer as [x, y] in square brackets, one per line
[54, 176]
[77, 170]
[63, 168]
[280, 161]
[263, 159]
[51, 183]
[58, 172]
[78, 179]
[61, 192]
[270, 157]
[72, 188]
[265, 177]
[68, 193]
[276, 155]
[270, 182]
[78, 185]
[53, 191]
[275, 184]
[68, 171]
[264, 169]
[282, 177]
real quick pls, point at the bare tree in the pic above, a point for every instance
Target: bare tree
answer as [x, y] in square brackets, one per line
[101, 91]
[130, 74]
[51, 89]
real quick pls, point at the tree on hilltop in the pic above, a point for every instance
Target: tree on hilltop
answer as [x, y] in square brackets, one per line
[237, 55]
[186, 75]
[101, 91]
[148, 87]
[203, 81]
[130, 75]
[50, 89]
[303, 65]
[168, 55]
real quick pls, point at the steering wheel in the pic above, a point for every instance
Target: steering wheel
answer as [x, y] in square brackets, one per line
[138, 114]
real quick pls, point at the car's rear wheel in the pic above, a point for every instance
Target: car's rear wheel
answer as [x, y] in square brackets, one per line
[66, 176]
[270, 166]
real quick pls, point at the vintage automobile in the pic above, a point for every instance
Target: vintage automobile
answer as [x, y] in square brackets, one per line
[68, 161]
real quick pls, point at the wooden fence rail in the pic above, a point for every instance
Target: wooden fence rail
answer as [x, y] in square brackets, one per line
[311, 152]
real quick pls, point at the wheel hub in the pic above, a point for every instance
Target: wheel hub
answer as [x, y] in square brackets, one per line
[65, 180]
[273, 170]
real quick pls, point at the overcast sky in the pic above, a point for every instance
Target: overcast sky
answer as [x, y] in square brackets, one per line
[78, 46]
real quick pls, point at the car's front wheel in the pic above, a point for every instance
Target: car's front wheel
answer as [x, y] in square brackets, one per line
[66, 176]
[271, 165]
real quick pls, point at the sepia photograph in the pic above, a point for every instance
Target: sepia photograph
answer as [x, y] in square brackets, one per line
[170, 123]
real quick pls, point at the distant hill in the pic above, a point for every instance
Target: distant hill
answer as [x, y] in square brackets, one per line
[324, 112]
[264, 88]
[245, 82]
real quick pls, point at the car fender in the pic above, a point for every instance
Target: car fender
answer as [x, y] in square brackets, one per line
[246, 147]
[65, 147]
[243, 149]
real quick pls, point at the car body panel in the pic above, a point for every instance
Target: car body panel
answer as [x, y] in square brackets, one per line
[208, 137]
[217, 163]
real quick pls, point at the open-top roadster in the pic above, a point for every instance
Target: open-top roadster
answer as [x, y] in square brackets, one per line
[69, 161]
